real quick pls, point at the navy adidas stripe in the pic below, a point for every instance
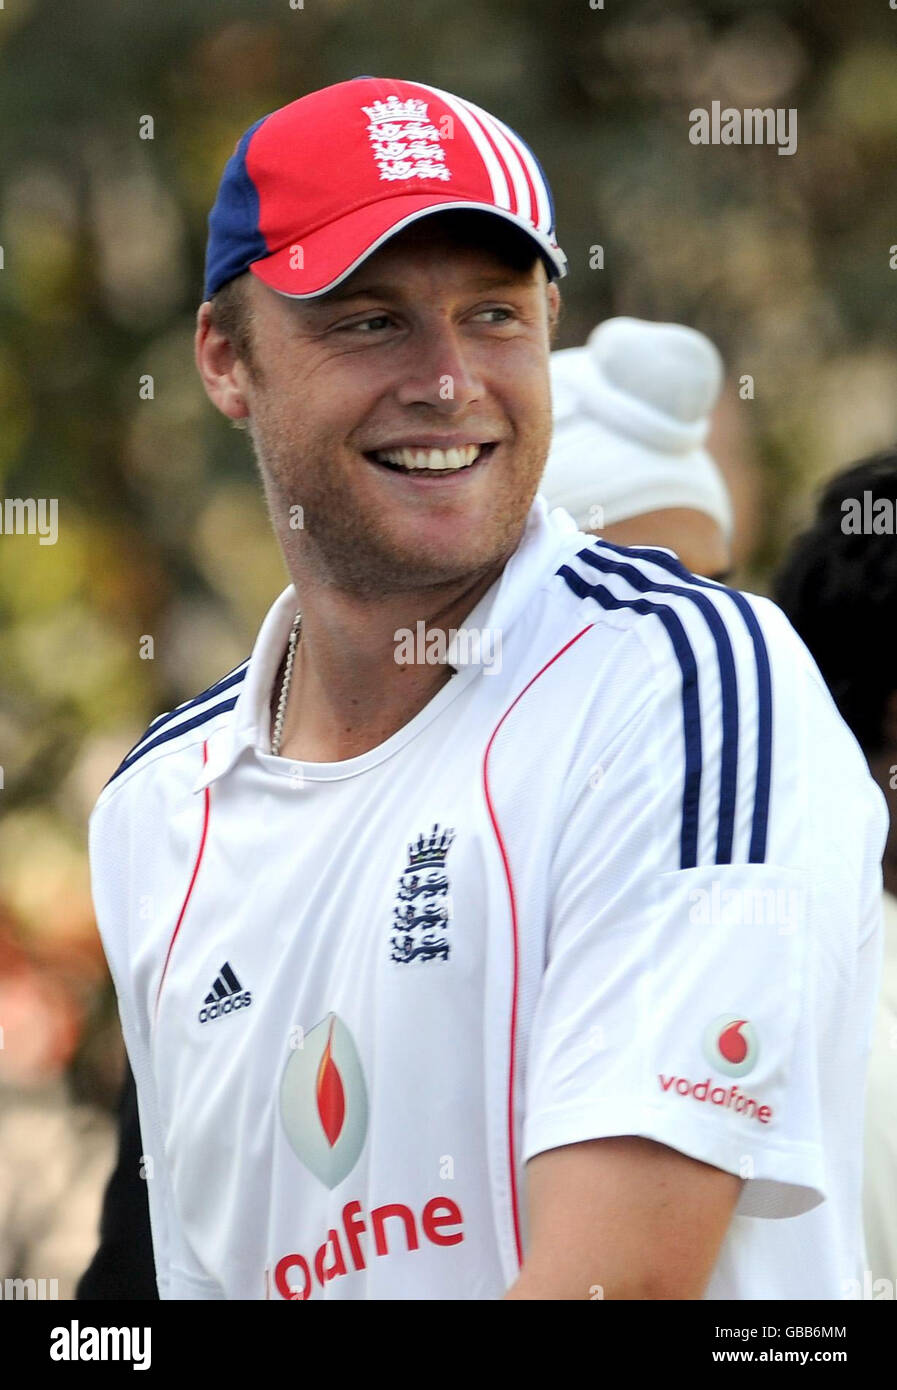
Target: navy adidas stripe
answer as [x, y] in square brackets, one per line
[691, 709]
[763, 780]
[225, 683]
[164, 721]
[728, 686]
[202, 718]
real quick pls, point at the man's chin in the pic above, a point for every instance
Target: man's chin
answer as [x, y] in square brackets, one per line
[390, 542]
[434, 550]
[411, 572]
[396, 564]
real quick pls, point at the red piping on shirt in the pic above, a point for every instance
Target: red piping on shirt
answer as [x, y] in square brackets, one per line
[202, 845]
[516, 944]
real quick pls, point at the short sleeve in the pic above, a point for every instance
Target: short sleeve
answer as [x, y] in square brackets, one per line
[688, 987]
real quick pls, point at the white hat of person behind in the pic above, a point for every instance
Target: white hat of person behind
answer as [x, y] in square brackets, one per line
[631, 414]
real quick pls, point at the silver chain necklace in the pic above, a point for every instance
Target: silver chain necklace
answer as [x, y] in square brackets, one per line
[285, 685]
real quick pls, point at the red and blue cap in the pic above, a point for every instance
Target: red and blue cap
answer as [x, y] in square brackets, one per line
[316, 187]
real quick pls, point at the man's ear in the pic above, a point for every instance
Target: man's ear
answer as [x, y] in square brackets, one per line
[220, 369]
[553, 296]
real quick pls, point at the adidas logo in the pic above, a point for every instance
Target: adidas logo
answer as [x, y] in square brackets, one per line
[225, 995]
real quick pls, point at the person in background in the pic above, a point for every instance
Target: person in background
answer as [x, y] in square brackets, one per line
[838, 587]
[631, 411]
[122, 1265]
[631, 415]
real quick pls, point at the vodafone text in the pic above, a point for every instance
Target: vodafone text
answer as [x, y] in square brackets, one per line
[717, 1095]
[293, 1276]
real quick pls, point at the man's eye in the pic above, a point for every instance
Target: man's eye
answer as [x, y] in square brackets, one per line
[365, 323]
[506, 314]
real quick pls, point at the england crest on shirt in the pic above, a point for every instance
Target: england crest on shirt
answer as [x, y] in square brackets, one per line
[422, 914]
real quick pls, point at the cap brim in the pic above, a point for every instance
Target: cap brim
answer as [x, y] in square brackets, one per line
[319, 262]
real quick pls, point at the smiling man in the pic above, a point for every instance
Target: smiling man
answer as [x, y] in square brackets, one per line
[413, 492]
[458, 979]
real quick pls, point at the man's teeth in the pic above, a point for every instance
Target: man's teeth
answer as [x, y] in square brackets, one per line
[438, 460]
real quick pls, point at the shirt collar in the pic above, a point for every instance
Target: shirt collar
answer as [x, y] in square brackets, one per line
[546, 540]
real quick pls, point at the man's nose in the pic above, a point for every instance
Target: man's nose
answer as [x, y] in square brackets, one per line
[441, 371]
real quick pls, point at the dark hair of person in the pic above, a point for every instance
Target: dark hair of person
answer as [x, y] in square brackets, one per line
[839, 590]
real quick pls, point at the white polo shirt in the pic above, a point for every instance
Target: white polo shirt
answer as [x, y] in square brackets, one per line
[619, 876]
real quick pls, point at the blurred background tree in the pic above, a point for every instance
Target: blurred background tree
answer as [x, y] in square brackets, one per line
[785, 261]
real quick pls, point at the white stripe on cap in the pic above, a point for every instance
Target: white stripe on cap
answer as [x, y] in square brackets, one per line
[511, 158]
[500, 192]
[543, 201]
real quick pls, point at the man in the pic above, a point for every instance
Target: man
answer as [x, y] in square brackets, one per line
[839, 588]
[607, 460]
[628, 461]
[436, 926]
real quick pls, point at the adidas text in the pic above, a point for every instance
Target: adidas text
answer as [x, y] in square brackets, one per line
[225, 1006]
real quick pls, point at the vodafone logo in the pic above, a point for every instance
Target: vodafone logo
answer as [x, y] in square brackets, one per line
[731, 1045]
[324, 1110]
[729, 1097]
[342, 1252]
[324, 1102]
